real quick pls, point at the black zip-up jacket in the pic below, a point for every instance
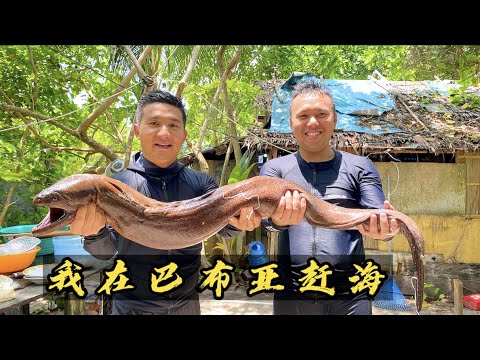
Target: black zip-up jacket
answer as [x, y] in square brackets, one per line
[176, 182]
[347, 180]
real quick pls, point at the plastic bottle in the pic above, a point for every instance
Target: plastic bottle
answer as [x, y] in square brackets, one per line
[258, 253]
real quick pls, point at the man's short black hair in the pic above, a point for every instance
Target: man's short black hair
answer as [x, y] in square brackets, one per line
[312, 87]
[161, 97]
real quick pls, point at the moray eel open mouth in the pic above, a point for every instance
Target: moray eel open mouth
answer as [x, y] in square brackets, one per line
[54, 220]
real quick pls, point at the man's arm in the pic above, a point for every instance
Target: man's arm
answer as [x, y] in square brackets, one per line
[99, 238]
[248, 219]
[371, 195]
[380, 228]
[102, 245]
[291, 207]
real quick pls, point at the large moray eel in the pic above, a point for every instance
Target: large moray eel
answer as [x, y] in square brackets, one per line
[180, 224]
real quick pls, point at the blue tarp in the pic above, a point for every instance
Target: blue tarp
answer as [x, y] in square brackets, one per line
[352, 98]
[440, 86]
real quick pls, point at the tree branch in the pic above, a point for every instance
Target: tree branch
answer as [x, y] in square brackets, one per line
[214, 102]
[38, 116]
[72, 148]
[228, 108]
[201, 159]
[148, 80]
[7, 202]
[232, 129]
[117, 135]
[233, 62]
[188, 72]
[84, 137]
[128, 150]
[135, 61]
[18, 112]
[35, 77]
[225, 164]
[219, 59]
[82, 128]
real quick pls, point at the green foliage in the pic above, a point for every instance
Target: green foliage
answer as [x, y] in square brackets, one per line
[431, 291]
[456, 62]
[198, 99]
[242, 169]
[329, 61]
[67, 83]
[460, 98]
[48, 80]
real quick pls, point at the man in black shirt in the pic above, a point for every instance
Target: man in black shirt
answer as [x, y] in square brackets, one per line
[338, 177]
[156, 173]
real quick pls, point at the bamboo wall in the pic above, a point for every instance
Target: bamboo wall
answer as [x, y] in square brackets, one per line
[436, 197]
[424, 188]
[472, 204]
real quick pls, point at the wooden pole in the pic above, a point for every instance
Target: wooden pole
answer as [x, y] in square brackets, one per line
[273, 246]
[457, 297]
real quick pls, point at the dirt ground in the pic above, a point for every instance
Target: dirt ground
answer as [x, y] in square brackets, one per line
[236, 302]
[433, 308]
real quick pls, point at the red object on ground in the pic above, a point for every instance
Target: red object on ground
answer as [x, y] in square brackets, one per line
[472, 301]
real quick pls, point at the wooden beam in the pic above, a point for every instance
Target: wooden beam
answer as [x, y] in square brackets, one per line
[472, 178]
[274, 153]
[457, 297]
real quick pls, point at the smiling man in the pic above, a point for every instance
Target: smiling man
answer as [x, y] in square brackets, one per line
[338, 177]
[156, 173]
[160, 127]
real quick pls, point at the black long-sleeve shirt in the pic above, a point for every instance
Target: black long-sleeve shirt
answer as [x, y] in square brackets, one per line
[174, 183]
[347, 180]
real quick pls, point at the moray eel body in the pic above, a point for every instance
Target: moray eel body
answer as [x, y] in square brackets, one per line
[178, 224]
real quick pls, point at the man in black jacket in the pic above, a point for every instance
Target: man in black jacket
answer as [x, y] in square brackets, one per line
[339, 178]
[156, 173]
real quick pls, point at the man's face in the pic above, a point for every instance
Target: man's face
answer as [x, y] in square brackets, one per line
[313, 121]
[161, 133]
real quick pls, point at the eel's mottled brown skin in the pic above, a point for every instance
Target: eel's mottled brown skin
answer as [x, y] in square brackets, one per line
[184, 223]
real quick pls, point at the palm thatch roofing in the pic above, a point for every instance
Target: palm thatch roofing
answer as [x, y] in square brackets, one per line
[431, 122]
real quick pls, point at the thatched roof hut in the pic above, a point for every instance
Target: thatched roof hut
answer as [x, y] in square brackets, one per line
[431, 122]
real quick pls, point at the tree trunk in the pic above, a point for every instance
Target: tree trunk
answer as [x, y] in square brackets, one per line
[82, 128]
[225, 164]
[81, 131]
[7, 202]
[232, 130]
[186, 76]
[223, 81]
